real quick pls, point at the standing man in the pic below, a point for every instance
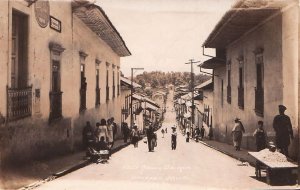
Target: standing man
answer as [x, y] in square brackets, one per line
[283, 129]
[173, 138]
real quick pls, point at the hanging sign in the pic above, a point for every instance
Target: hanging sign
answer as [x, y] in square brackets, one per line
[42, 12]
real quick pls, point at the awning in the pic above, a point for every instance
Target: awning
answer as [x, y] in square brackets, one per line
[188, 104]
[205, 85]
[95, 18]
[127, 82]
[213, 63]
[149, 106]
[242, 17]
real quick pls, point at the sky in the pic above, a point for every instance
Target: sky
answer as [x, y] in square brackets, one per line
[163, 35]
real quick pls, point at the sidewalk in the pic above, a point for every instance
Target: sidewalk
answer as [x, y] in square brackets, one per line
[229, 150]
[39, 172]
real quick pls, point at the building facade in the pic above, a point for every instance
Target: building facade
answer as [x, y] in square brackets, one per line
[255, 68]
[60, 67]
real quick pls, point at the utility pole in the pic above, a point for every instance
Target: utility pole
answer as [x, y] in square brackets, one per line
[131, 94]
[192, 88]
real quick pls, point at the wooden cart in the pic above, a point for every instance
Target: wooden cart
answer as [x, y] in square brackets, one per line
[277, 173]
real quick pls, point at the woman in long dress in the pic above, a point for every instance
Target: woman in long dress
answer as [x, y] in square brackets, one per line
[237, 134]
[110, 133]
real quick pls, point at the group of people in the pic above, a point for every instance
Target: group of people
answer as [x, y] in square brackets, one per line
[282, 127]
[99, 138]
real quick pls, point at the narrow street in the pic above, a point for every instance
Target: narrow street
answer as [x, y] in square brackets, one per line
[191, 166]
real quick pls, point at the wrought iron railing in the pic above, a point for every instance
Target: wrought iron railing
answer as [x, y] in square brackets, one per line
[97, 102]
[107, 93]
[19, 103]
[229, 94]
[55, 105]
[241, 97]
[259, 101]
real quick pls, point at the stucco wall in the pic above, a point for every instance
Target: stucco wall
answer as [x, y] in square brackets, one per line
[279, 78]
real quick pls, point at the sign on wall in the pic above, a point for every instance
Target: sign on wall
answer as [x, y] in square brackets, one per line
[55, 24]
[42, 12]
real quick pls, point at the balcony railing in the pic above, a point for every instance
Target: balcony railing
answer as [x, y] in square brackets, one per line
[241, 97]
[55, 105]
[259, 101]
[19, 103]
[229, 94]
[97, 102]
[107, 93]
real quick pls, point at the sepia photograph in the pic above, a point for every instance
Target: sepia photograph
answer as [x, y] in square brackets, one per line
[149, 94]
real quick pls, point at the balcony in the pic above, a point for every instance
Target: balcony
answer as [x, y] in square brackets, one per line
[19, 103]
[241, 97]
[55, 105]
[97, 102]
[229, 94]
[107, 93]
[259, 101]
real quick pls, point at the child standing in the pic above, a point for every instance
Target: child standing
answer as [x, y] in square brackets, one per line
[260, 137]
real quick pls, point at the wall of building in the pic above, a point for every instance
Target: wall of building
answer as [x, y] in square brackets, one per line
[33, 137]
[279, 83]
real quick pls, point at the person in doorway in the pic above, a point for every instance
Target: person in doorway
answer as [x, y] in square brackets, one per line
[173, 138]
[187, 131]
[260, 137]
[163, 133]
[283, 130]
[237, 133]
[202, 132]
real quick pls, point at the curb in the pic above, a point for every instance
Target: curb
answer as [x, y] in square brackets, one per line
[69, 170]
[226, 153]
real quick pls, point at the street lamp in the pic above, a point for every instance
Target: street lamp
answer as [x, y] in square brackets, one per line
[131, 94]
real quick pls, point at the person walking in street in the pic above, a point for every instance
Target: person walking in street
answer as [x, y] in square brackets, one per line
[166, 130]
[202, 132]
[173, 138]
[163, 133]
[283, 130]
[197, 134]
[260, 137]
[135, 136]
[150, 138]
[237, 133]
[187, 131]
[87, 136]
